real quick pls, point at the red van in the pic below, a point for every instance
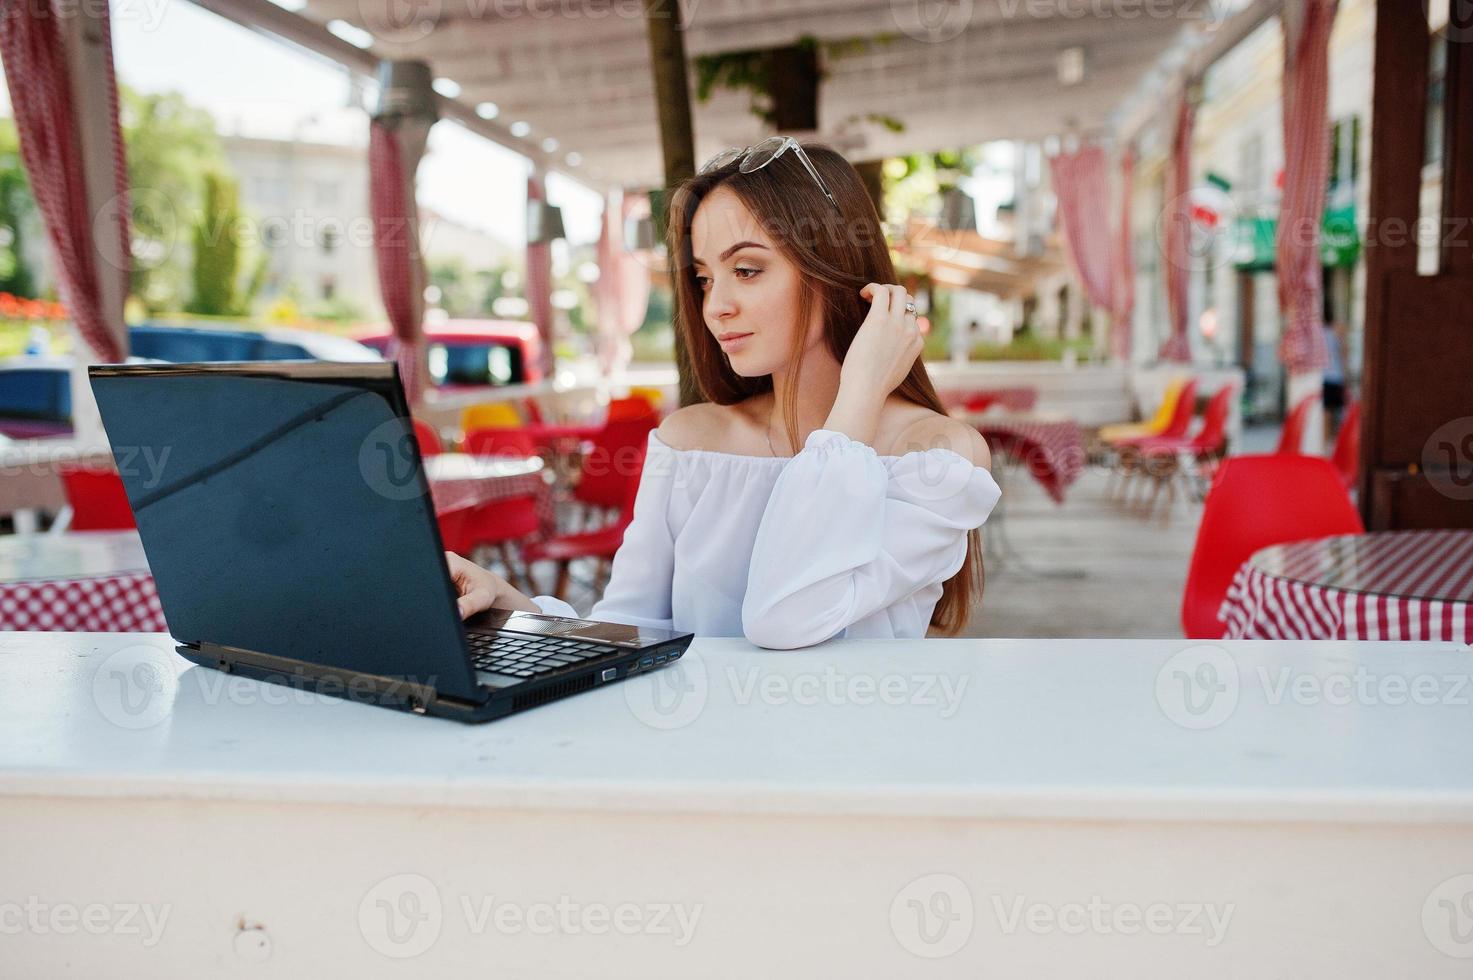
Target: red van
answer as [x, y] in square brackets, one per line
[475, 353]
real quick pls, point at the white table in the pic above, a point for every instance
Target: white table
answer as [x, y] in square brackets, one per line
[971, 808]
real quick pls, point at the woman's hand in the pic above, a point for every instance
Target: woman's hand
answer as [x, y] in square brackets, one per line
[480, 589]
[886, 345]
[883, 351]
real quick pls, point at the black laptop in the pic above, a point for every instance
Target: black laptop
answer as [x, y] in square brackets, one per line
[291, 535]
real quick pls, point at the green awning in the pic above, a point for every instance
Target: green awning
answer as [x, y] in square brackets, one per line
[1253, 240]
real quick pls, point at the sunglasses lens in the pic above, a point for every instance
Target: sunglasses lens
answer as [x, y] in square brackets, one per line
[764, 153]
[721, 159]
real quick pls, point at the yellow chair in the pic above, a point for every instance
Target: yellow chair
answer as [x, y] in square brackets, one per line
[490, 415]
[1158, 422]
[652, 395]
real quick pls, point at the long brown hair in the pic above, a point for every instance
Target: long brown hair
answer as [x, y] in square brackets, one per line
[836, 254]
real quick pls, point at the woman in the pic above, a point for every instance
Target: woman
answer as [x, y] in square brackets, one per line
[821, 490]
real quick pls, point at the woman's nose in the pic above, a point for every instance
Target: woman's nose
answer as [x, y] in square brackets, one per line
[718, 304]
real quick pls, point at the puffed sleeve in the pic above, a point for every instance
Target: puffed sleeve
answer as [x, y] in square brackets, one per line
[638, 593]
[844, 536]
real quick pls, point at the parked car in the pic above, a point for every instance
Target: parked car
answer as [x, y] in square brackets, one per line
[475, 353]
[192, 343]
[35, 397]
[35, 389]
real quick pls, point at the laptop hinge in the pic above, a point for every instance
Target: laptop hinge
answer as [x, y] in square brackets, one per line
[418, 696]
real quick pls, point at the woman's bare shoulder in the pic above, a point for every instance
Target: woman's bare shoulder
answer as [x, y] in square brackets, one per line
[923, 429]
[731, 429]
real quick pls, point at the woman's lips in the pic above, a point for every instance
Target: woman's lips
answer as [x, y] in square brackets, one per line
[733, 342]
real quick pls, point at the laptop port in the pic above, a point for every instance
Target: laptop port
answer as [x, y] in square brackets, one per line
[647, 662]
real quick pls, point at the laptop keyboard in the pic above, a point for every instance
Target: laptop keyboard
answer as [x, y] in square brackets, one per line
[519, 655]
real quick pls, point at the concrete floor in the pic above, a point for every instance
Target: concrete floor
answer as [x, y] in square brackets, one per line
[1133, 566]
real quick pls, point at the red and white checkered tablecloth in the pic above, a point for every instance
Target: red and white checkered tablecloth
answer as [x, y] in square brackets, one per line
[458, 481]
[1388, 585]
[1052, 449]
[84, 581]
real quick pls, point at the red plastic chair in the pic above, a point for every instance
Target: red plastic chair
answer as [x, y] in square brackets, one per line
[428, 438]
[632, 407]
[496, 525]
[500, 442]
[1292, 437]
[614, 462]
[1346, 454]
[1211, 438]
[619, 487]
[97, 499]
[1164, 459]
[1257, 501]
[1181, 418]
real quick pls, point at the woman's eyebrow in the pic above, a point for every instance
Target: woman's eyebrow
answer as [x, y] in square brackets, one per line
[730, 251]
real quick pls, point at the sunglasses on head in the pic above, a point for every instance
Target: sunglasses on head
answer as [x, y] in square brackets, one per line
[759, 156]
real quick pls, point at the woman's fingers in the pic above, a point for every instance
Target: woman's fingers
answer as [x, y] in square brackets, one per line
[879, 296]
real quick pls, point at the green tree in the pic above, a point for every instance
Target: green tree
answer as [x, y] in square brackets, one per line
[16, 207]
[217, 249]
[170, 144]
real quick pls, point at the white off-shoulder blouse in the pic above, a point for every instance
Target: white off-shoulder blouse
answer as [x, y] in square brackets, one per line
[837, 541]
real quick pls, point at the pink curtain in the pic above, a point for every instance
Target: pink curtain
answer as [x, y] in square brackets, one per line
[623, 288]
[396, 250]
[37, 73]
[1123, 312]
[539, 281]
[1082, 183]
[1101, 255]
[1177, 244]
[1306, 170]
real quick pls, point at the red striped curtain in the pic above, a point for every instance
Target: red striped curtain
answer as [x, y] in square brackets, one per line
[1123, 313]
[1177, 243]
[539, 280]
[623, 288]
[1082, 184]
[396, 250]
[37, 73]
[1306, 171]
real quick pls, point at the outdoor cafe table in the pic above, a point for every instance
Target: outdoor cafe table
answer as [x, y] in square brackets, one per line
[83, 580]
[1387, 585]
[865, 808]
[1049, 445]
[460, 480]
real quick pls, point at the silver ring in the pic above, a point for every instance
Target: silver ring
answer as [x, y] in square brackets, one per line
[910, 307]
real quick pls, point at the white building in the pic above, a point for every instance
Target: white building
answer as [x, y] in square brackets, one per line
[307, 205]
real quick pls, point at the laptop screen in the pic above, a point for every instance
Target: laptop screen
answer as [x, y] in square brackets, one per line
[283, 510]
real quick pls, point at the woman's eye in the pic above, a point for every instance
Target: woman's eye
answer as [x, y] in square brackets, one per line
[701, 282]
[751, 273]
